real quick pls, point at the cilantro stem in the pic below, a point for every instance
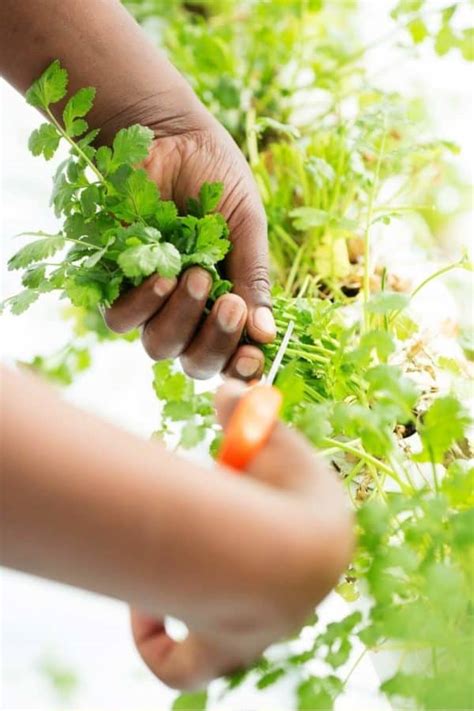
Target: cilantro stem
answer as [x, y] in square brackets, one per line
[460, 264]
[440, 272]
[75, 146]
[299, 353]
[393, 463]
[378, 484]
[251, 138]
[354, 471]
[293, 271]
[368, 226]
[83, 243]
[355, 665]
[362, 454]
[434, 471]
[313, 393]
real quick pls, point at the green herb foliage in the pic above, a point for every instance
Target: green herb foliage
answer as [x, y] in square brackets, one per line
[115, 228]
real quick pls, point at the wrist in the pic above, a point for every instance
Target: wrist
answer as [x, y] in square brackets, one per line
[168, 111]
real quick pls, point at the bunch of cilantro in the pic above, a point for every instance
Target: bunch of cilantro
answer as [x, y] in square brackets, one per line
[115, 228]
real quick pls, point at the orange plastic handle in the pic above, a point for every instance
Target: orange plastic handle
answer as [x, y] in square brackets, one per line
[250, 426]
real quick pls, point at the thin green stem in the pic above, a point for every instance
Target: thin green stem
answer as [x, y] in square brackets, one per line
[83, 243]
[362, 454]
[435, 473]
[355, 665]
[396, 465]
[444, 270]
[304, 286]
[354, 471]
[293, 271]
[460, 264]
[59, 234]
[74, 145]
[378, 484]
[370, 211]
[251, 137]
[299, 353]
[402, 208]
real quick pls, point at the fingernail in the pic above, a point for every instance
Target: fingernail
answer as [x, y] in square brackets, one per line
[198, 284]
[263, 321]
[163, 286]
[246, 366]
[229, 315]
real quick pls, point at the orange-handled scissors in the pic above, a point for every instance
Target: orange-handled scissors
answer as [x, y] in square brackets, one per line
[254, 417]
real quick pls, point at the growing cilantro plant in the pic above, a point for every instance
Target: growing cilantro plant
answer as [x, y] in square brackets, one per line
[116, 229]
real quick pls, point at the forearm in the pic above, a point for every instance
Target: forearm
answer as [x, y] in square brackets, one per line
[89, 505]
[102, 46]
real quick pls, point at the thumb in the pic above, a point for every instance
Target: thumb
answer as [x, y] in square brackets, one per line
[187, 665]
[247, 266]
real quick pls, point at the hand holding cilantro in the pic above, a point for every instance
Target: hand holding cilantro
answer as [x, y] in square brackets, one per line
[102, 46]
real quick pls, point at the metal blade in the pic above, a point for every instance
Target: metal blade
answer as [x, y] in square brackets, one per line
[280, 354]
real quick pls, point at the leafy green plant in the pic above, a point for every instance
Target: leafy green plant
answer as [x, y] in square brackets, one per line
[358, 378]
[117, 229]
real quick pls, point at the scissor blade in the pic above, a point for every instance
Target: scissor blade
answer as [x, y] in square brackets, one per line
[280, 354]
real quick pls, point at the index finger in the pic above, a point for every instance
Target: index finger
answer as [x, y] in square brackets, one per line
[187, 665]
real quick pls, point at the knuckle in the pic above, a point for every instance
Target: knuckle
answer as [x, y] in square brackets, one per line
[114, 321]
[196, 368]
[258, 280]
[157, 348]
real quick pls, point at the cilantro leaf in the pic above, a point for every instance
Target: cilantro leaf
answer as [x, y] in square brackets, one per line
[220, 287]
[191, 701]
[305, 218]
[131, 145]
[78, 106]
[50, 88]
[138, 196]
[179, 410]
[145, 259]
[318, 693]
[387, 301]
[292, 386]
[211, 243]
[209, 197]
[103, 158]
[191, 435]
[44, 141]
[389, 388]
[85, 294]
[36, 251]
[443, 425]
[170, 385]
[270, 678]
[22, 301]
[34, 276]
[315, 423]
[166, 215]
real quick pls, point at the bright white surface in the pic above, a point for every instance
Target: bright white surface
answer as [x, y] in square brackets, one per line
[83, 631]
